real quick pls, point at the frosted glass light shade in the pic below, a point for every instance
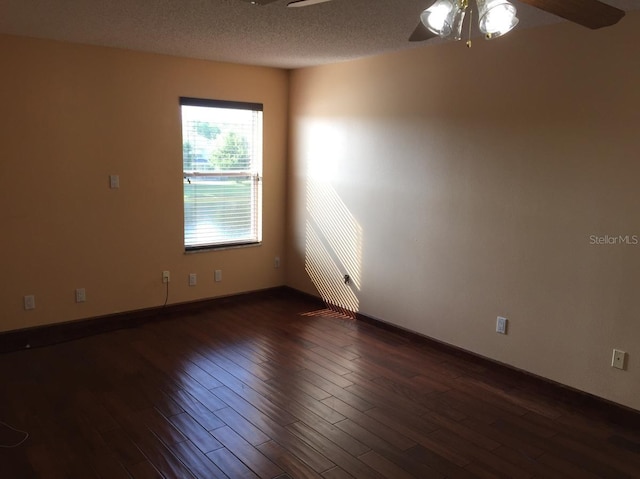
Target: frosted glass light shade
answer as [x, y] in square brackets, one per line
[444, 18]
[456, 26]
[496, 17]
[438, 18]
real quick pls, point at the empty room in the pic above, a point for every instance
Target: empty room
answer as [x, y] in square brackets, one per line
[320, 239]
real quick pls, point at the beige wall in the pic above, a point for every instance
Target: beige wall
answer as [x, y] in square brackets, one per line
[71, 116]
[456, 185]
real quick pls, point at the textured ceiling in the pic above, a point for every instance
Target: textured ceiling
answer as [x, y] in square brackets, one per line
[236, 31]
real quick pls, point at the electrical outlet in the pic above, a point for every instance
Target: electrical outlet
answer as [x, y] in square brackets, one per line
[501, 325]
[619, 359]
[193, 279]
[114, 182]
[81, 295]
[218, 275]
[166, 276]
[276, 262]
[29, 302]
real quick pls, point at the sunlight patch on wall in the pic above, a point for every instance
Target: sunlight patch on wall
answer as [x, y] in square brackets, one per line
[333, 247]
[326, 151]
[341, 232]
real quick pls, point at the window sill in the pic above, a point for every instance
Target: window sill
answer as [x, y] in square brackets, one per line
[209, 249]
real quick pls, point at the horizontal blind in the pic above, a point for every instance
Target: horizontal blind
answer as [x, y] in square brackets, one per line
[222, 167]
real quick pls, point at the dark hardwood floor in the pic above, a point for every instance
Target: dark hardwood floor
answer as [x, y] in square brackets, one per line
[270, 386]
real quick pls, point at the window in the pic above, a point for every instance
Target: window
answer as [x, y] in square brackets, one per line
[222, 170]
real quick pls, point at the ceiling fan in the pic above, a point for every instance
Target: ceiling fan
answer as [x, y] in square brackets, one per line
[444, 18]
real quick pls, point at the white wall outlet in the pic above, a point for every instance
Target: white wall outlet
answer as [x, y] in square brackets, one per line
[193, 279]
[166, 276]
[218, 275]
[81, 295]
[29, 302]
[619, 359]
[276, 262]
[114, 182]
[501, 325]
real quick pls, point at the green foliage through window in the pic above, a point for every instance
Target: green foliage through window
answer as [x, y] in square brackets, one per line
[232, 154]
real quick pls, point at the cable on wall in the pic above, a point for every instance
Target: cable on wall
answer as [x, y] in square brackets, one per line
[166, 298]
[19, 443]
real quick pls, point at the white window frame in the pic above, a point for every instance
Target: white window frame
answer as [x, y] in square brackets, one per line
[197, 238]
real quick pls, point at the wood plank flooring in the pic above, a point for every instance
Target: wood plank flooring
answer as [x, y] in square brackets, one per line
[270, 386]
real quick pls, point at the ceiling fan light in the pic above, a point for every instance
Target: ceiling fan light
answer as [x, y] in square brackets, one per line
[496, 17]
[438, 18]
[456, 26]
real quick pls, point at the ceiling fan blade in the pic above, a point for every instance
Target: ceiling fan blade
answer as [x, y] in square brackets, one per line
[421, 33]
[305, 3]
[589, 13]
[260, 2]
